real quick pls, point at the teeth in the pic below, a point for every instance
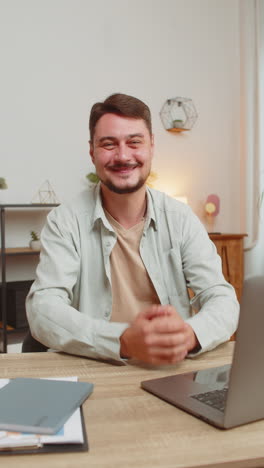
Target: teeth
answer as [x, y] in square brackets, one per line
[123, 168]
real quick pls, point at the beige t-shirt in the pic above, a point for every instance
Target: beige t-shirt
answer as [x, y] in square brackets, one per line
[132, 288]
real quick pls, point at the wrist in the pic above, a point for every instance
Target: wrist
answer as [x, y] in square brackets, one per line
[193, 343]
[124, 354]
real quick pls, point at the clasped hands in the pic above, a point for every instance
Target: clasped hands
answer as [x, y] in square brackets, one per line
[158, 335]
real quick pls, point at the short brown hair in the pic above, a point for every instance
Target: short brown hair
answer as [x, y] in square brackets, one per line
[123, 105]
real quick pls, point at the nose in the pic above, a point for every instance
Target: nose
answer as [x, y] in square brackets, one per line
[122, 152]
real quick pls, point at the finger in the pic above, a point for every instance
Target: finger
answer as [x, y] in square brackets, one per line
[167, 356]
[166, 340]
[156, 311]
[170, 309]
[168, 324]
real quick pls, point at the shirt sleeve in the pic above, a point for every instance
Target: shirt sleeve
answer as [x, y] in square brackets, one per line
[214, 298]
[51, 306]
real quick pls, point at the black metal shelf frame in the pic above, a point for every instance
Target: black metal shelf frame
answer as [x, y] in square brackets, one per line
[3, 207]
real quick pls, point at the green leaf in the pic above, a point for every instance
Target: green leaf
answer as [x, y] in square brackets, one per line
[3, 184]
[92, 177]
[34, 236]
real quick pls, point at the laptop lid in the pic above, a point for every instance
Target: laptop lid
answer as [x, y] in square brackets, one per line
[245, 400]
[245, 379]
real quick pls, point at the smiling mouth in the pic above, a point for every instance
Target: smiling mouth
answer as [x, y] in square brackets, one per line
[123, 168]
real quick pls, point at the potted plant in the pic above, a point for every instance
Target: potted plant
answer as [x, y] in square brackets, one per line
[178, 123]
[3, 186]
[35, 241]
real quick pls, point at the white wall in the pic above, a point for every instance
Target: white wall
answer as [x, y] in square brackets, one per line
[60, 56]
[254, 258]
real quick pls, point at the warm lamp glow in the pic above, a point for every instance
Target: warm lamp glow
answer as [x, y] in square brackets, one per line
[169, 191]
[210, 208]
[182, 198]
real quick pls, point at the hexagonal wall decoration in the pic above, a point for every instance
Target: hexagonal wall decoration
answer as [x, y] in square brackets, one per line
[178, 114]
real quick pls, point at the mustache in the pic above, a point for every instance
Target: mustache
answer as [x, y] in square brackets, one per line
[117, 166]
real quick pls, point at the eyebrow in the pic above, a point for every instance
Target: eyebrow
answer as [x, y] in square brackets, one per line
[102, 139]
[132, 135]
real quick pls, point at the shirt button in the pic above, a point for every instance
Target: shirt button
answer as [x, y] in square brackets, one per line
[107, 313]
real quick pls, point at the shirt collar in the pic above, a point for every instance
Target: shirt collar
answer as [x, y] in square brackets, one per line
[150, 215]
[100, 214]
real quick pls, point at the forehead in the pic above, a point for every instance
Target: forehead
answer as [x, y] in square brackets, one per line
[119, 127]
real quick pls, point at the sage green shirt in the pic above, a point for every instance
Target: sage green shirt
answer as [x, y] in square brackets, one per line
[69, 304]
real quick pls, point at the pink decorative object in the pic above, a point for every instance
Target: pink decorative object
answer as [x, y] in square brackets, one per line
[212, 205]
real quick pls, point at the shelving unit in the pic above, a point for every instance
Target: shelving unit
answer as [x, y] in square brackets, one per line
[14, 251]
[230, 247]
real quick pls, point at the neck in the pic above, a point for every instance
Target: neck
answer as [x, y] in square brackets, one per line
[127, 209]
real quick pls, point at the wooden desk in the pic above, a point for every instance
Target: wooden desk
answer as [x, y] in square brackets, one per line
[128, 427]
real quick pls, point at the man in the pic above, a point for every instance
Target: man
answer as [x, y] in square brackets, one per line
[117, 262]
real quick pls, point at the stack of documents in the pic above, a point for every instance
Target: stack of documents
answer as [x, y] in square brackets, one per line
[40, 415]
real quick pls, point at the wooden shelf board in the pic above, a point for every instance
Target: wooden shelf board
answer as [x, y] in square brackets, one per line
[28, 205]
[178, 130]
[20, 251]
[225, 236]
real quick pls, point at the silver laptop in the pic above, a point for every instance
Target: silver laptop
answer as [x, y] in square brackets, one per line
[229, 395]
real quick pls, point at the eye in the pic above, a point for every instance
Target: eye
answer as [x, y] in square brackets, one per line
[108, 145]
[134, 142]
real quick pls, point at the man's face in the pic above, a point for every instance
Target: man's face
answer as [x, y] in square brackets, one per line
[122, 151]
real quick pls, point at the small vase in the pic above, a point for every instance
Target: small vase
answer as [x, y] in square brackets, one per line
[35, 244]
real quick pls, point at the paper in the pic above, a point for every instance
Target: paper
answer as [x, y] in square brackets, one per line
[70, 433]
[40, 405]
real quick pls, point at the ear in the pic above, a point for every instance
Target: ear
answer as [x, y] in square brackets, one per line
[152, 145]
[91, 151]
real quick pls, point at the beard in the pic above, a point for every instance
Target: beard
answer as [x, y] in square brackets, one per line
[123, 190]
